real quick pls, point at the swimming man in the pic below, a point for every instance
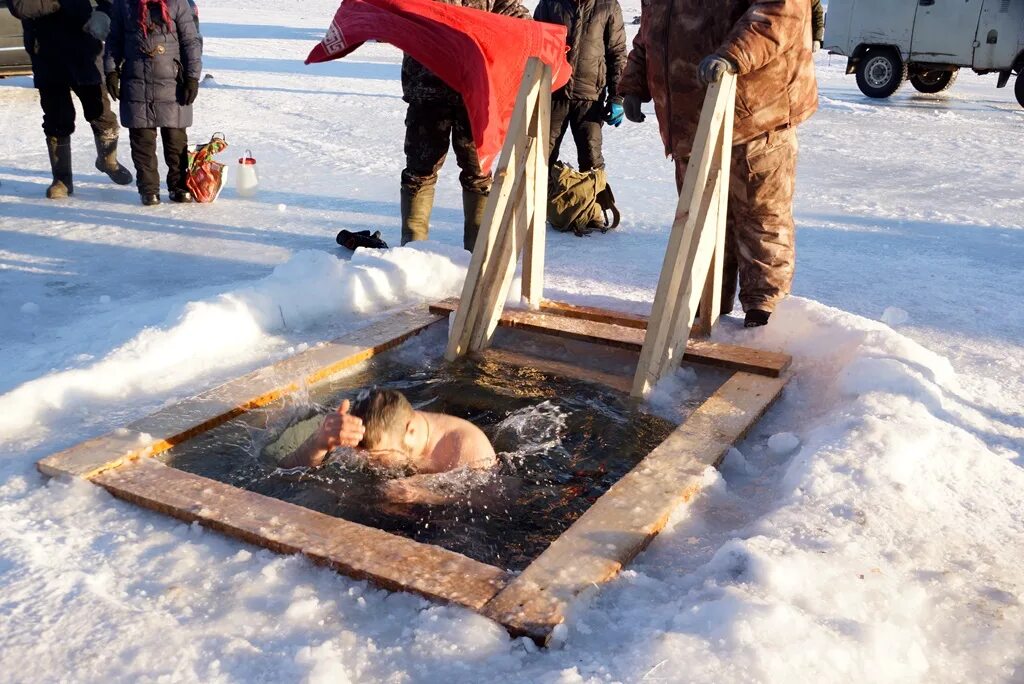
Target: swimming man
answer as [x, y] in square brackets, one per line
[394, 436]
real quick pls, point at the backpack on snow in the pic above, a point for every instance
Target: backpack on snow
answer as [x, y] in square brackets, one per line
[580, 202]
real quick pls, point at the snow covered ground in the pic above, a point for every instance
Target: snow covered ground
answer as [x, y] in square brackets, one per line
[879, 541]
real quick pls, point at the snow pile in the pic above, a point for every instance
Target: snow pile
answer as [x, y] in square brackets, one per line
[238, 328]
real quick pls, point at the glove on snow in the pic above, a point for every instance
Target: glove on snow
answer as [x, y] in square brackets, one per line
[363, 238]
[98, 25]
[816, 45]
[713, 67]
[631, 107]
[614, 114]
[114, 85]
[190, 91]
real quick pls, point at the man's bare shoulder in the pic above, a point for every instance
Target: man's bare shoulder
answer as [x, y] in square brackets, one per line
[462, 444]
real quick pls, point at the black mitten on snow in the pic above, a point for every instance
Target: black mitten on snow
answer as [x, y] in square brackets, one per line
[363, 238]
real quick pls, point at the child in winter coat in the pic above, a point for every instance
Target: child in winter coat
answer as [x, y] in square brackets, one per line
[153, 63]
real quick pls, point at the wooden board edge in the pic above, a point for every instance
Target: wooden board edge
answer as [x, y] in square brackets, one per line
[620, 383]
[112, 450]
[717, 354]
[278, 526]
[594, 313]
[527, 606]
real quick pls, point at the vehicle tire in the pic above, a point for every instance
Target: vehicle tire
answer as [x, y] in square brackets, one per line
[1018, 88]
[932, 82]
[881, 72]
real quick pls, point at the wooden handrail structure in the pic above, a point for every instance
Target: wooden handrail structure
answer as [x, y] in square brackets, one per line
[515, 222]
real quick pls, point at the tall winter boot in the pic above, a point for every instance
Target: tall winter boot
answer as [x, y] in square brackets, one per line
[106, 156]
[416, 207]
[473, 205]
[62, 186]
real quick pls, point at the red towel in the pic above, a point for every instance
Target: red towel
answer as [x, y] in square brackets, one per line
[479, 54]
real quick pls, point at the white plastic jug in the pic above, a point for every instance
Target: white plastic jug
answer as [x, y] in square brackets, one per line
[246, 182]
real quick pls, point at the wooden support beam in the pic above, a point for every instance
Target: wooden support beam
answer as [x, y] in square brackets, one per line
[718, 354]
[677, 274]
[389, 561]
[625, 519]
[592, 313]
[509, 183]
[162, 430]
[536, 235]
[711, 302]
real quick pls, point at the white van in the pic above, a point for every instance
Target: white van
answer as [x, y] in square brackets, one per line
[927, 41]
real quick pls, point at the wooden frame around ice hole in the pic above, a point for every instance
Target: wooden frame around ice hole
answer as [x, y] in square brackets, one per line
[593, 550]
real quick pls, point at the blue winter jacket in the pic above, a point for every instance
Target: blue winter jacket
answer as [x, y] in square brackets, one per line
[154, 65]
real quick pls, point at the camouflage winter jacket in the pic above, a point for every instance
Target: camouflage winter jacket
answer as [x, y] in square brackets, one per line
[769, 42]
[419, 84]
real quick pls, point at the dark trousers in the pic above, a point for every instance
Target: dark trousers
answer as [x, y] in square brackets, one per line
[175, 141]
[429, 128]
[59, 110]
[584, 118]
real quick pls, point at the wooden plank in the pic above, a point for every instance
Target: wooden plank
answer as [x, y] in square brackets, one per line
[536, 238]
[711, 302]
[493, 287]
[165, 428]
[392, 562]
[623, 521]
[593, 313]
[718, 354]
[496, 211]
[666, 298]
[619, 383]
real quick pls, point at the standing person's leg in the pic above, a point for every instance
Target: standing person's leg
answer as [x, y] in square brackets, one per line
[427, 133]
[586, 119]
[147, 175]
[175, 142]
[559, 125]
[476, 185]
[761, 201]
[105, 131]
[58, 125]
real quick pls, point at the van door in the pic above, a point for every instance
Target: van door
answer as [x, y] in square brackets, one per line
[944, 31]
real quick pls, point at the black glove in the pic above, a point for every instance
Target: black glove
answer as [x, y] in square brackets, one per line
[631, 105]
[190, 91]
[713, 67]
[114, 85]
[363, 238]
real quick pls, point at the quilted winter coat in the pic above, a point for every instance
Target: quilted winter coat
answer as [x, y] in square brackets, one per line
[419, 84]
[61, 52]
[597, 42]
[154, 64]
[769, 42]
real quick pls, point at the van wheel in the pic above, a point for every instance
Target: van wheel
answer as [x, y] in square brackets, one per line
[932, 82]
[881, 72]
[1018, 88]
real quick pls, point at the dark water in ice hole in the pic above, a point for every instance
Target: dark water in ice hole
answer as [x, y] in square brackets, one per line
[561, 443]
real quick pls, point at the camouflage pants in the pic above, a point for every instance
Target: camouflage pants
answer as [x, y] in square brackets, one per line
[429, 128]
[760, 240]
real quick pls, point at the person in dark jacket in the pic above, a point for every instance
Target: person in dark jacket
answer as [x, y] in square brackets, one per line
[64, 39]
[153, 64]
[597, 54]
[436, 117]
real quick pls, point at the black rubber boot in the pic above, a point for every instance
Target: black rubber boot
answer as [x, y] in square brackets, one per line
[149, 199]
[181, 196]
[106, 156]
[756, 318]
[59, 149]
[416, 208]
[473, 205]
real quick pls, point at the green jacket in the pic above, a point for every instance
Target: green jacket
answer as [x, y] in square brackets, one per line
[817, 21]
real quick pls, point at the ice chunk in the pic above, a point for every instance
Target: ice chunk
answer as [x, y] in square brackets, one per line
[783, 444]
[893, 316]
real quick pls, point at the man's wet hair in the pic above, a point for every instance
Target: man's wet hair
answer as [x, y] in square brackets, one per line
[383, 412]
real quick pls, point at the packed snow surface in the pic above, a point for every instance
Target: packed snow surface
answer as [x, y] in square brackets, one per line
[868, 529]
